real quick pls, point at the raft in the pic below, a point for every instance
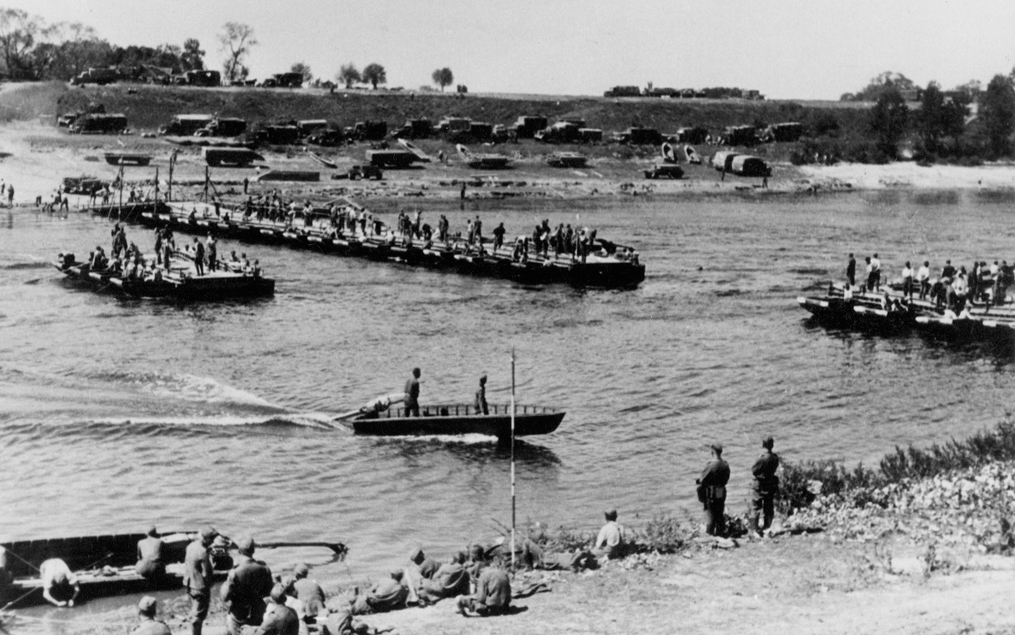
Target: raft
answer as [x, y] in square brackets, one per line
[177, 283]
[605, 265]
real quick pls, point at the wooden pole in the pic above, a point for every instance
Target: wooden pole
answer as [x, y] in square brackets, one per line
[172, 164]
[512, 458]
[156, 189]
[207, 177]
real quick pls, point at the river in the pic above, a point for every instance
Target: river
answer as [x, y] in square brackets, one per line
[119, 413]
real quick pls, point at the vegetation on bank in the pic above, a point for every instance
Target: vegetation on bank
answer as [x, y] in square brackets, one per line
[861, 485]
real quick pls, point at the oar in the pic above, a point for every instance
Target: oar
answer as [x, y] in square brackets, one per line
[336, 547]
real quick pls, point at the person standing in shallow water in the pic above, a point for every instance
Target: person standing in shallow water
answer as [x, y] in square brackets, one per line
[712, 492]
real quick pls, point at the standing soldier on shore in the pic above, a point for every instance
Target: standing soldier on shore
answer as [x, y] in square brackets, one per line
[197, 578]
[244, 590]
[851, 271]
[764, 487]
[712, 492]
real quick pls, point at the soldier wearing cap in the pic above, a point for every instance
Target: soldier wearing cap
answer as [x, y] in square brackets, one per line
[197, 578]
[419, 570]
[764, 487]
[481, 405]
[244, 590]
[279, 619]
[309, 593]
[386, 595]
[149, 556]
[712, 492]
[492, 596]
[148, 624]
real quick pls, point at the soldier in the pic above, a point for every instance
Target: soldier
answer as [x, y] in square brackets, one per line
[148, 625]
[197, 578]
[481, 406]
[712, 492]
[249, 582]
[149, 556]
[412, 394]
[764, 487]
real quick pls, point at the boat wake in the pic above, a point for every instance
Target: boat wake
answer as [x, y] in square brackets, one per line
[186, 387]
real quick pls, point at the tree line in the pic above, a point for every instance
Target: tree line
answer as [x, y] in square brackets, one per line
[32, 50]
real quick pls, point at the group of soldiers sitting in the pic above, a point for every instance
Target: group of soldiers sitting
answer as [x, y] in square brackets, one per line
[295, 604]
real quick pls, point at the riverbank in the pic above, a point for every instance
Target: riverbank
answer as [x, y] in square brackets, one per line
[791, 583]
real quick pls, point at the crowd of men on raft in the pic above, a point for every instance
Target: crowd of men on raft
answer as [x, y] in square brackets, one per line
[266, 604]
[953, 291]
[128, 261]
[339, 221]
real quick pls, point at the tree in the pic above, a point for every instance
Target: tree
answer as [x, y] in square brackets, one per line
[19, 34]
[192, 57]
[304, 70]
[997, 108]
[236, 40]
[443, 77]
[348, 75]
[888, 120]
[375, 74]
[884, 82]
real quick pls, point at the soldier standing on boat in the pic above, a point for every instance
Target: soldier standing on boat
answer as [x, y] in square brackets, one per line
[764, 487]
[481, 405]
[412, 394]
[212, 253]
[712, 492]
[198, 257]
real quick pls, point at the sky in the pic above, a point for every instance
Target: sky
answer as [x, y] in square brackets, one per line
[787, 49]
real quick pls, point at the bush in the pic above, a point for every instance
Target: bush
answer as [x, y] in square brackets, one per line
[663, 534]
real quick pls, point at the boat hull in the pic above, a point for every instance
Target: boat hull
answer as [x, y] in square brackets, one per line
[104, 565]
[460, 420]
[204, 288]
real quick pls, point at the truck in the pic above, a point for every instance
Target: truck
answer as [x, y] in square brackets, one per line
[284, 80]
[99, 124]
[203, 78]
[100, 76]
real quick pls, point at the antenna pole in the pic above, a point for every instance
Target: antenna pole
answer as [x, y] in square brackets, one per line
[512, 458]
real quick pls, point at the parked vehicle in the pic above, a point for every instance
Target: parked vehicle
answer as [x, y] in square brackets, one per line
[100, 76]
[99, 124]
[186, 125]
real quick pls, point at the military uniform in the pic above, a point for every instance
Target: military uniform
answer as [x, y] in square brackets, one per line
[712, 494]
[764, 488]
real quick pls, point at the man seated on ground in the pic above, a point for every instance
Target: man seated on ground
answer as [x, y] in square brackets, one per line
[611, 543]
[149, 556]
[146, 615]
[493, 594]
[450, 580]
[419, 570]
[309, 593]
[279, 619]
[386, 595]
[59, 584]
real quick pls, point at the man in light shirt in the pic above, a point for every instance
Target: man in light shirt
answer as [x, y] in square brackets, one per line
[923, 277]
[610, 543]
[907, 281]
